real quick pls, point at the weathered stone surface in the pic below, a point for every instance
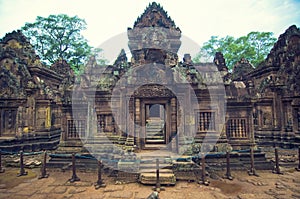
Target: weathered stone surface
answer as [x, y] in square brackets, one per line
[165, 178]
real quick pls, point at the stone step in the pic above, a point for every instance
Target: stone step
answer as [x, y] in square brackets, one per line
[150, 178]
[153, 160]
[154, 132]
[153, 166]
[154, 171]
[155, 141]
[156, 146]
[160, 156]
[155, 137]
[158, 137]
[155, 125]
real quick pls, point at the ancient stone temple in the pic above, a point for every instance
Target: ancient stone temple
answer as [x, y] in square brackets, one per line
[152, 102]
[30, 97]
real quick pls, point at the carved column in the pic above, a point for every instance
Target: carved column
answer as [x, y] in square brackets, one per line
[30, 120]
[48, 116]
[64, 124]
[137, 122]
[174, 124]
[187, 115]
[129, 116]
[20, 120]
[277, 110]
[91, 120]
[123, 108]
[147, 112]
[251, 126]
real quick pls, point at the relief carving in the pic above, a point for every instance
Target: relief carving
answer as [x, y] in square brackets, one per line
[153, 91]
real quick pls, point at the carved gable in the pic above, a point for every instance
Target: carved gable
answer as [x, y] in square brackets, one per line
[154, 16]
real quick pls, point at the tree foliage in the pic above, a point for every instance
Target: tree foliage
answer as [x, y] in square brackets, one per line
[255, 46]
[58, 37]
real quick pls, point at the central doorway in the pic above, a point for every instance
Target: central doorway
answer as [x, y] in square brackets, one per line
[155, 123]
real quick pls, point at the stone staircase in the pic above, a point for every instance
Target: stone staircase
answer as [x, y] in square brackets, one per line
[147, 170]
[155, 133]
[100, 146]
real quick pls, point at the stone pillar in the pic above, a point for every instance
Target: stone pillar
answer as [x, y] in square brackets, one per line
[123, 107]
[1, 169]
[48, 117]
[251, 126]
[174, 124]
[147, 112]
[31, 113]
[137, 118]
[64, 125]
[128, 117]
[20, 120]
[91, 122]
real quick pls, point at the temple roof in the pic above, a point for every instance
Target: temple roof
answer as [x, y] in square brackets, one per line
[284, 49]
[16, 35]
[241, 69]
[154, 16]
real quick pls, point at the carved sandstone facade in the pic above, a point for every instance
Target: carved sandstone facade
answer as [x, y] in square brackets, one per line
[149, 94]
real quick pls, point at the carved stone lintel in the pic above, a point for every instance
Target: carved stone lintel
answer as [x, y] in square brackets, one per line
[153, 91]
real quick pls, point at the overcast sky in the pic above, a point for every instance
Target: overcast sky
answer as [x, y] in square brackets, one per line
[197, 19]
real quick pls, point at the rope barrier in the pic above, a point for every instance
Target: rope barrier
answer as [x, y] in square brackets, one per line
[18, 153]
[91, 157]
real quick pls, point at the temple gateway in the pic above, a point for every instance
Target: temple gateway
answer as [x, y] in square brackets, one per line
[154, 102]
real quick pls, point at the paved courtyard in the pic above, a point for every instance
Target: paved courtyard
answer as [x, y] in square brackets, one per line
[267, 185]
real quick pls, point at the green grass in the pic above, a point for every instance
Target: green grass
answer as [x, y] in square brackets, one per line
[10, 179]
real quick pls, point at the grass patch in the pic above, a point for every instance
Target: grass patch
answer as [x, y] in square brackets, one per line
[10, 179]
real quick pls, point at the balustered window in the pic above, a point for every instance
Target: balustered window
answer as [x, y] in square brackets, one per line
[105, 123]
[76, 128]
[205, 121]
[237, 128]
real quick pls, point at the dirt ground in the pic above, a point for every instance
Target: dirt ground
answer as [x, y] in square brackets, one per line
[267, 185]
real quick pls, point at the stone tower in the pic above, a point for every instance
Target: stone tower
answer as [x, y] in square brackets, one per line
[154, 37]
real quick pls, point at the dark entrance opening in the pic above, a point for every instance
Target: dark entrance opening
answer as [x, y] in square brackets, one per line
[155, 124]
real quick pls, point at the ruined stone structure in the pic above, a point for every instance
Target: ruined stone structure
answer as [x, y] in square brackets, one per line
[31, 96]
[155, 101]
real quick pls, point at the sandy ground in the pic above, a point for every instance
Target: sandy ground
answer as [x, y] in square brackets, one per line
[267, 185]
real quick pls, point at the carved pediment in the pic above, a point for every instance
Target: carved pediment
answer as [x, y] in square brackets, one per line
[16, 36]
[61, 67]
[154, 16]
[9, 84]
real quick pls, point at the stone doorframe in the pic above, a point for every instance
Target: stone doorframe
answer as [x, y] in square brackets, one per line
[140, 118]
